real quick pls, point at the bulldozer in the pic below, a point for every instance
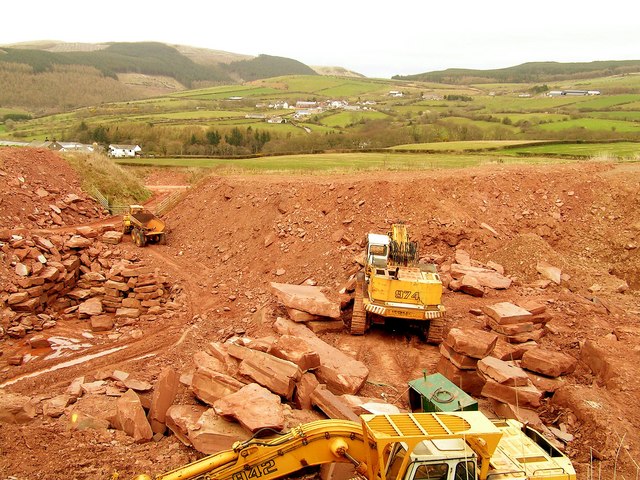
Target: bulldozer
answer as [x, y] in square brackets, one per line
[405, 446]
[394, 285]
[144, 226]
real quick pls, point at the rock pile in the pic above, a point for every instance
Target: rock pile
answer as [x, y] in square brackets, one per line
[473, 278]
[474, 360]
[517, 324]
[254, 382]
[65, 276]
[40, 190]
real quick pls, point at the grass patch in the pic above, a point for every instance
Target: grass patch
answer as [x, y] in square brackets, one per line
[344, 119]
[462, 145]
[100, 172]
[338, 162]
[591, 124]
[616, 150]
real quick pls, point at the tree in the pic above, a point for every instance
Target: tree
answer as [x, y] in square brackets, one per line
[236, 138]
[213, 137]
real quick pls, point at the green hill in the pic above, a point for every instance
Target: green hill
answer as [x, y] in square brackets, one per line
[46, 77]
[528, 72]
[266, 66]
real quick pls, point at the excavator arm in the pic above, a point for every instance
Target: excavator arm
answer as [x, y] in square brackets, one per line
[315, 443]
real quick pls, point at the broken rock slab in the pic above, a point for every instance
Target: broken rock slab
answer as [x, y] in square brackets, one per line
[505, 313]
[304, 389]
[276, 374]
[548, 362]
[130, 417]
[467, 380]
[295, 350]
[524, 415]
[506, 373]
[182, 418]
[527, 396]
[15, 408]
[209, 385]
[549, 272]
[54, 407]
[331, 405]
[164, 394]
[308, 298]
[484, 276]
[471, 342]
[463, 362]
[340, 372]
[596, 355]
[254, 407]
[211, 433]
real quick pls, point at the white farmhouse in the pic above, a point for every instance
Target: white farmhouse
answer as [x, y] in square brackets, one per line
[120, 151]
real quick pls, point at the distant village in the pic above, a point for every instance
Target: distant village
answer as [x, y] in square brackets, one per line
[302, 110]
[305, 109]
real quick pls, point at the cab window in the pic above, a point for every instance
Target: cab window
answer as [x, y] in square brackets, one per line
[465, 471]
[378, 250]
[397, 456]
[432, 471]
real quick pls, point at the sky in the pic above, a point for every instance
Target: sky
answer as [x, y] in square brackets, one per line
[374, 38]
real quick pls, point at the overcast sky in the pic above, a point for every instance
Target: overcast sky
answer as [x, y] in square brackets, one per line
[377, 39]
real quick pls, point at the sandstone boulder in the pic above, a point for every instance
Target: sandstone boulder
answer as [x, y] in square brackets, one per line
[15, 408]
[527, 396]
[506, 373]
[548, 362]
[340, 372]
[164, 394]
[471, 342]
[331, 405]
[295, 350]
[54, 407]
[506, 313]
[467, 380]
[181, 418]
[130, 417]
[90, 307]
[209, 385]
[254, 407]
[211, 433]
[308, 298]
[276, 374]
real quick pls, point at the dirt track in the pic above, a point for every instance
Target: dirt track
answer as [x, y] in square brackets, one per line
[230, 236]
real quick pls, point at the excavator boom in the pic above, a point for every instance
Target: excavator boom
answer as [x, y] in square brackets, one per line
[390, 447]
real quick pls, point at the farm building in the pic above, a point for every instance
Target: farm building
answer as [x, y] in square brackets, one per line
[120, 151]
[572, 93]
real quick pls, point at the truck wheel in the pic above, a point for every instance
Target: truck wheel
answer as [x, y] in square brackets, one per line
[143, 238]
[163, 239]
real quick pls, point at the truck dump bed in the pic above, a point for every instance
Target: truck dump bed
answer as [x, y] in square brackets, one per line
[148, 221]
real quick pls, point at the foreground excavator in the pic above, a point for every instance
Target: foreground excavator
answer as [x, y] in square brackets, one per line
[405, 446]
[394, 285]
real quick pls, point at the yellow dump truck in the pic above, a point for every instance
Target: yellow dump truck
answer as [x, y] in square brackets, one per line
[404, 446]
[395, 286]
[144, 226]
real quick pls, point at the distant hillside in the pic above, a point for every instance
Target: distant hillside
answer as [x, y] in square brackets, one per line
[266, 66]
[49, 76]
[337, 72]
[528, 72]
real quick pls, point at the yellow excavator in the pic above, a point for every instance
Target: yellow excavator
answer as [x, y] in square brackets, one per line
[394, 285]
[404, 446]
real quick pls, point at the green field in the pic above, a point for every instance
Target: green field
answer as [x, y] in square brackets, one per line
[615, 149]
[592, 124]
[344, 119]
[339, 162]
[463, 146]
